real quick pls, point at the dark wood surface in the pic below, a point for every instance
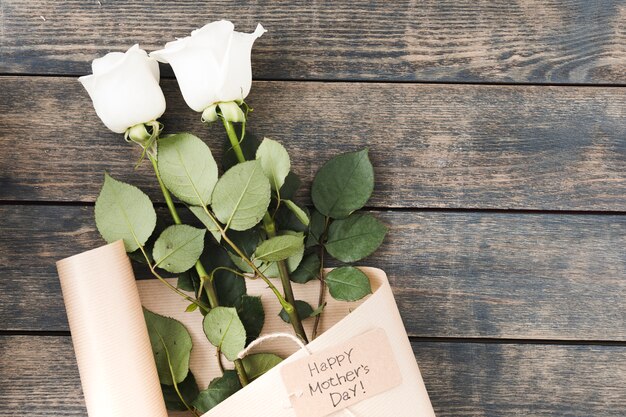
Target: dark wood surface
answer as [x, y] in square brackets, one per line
[506, 203]
[454, 274]
[447, 146]
[569, 41]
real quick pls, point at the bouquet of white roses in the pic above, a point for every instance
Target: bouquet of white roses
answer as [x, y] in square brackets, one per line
[256, 231]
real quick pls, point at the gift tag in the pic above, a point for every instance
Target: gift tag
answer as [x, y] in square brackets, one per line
[342, 375]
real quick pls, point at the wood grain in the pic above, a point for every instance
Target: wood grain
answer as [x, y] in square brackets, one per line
[448, 146]
[454, 274]
[572, 41]
[558, 279]
[523, 380]
[463, 379]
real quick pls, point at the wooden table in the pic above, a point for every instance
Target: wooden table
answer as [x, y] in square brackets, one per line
[498, 133]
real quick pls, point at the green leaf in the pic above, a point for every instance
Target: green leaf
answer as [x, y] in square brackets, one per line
[219, 389]
[304, 311]
[309, 269]
[171, 346]
[269, 269]
[206, 221]
[259, 363]
[224, 330]
[343, 184]
[241, 196]
[293, 261]
[246, 240]
[275, 162]
[229, 286]
[290, 187]
[251, 313]
[316, 229]
[187, 168]
[279, 248]
[178, 248]
[241, 264]
[354, 238]
[124, 212]
[300, 213]
[285, 219]
[318, 310]
[348, 284]
[137, 255]
[188, 389]
[188, 281]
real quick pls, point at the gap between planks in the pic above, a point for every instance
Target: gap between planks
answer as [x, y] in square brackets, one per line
[413, 339]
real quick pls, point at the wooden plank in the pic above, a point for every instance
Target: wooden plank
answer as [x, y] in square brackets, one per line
[572, 41]
[523, 380]
[463, 379]
[454, 274]
[449, 146]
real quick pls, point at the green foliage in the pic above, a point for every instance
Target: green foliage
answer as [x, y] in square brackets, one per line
[243, 265]
[285, 219]
[279, 248]
[124, 212]
[275, 162]
[206, 221]
[224, 330]
[219, 389]
[171, 346]
[318, 310]
[188, 389]
[228, 285]
[304, 311]
[343, 184]
[188, 281]
[290, 187]
[271, 269]
[297, 211]
[308, 269]
[178, 248]
[187, 168]
[317, 226]
[246, 240]
[348, 284]
[252, 316]
[137, 255]
[259, 363]
[242, 196]
[354, 238]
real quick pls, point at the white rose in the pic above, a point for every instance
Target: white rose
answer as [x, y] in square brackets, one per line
[124, 88]
[212, 65]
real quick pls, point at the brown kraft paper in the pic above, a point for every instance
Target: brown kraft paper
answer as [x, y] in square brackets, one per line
[109, 334]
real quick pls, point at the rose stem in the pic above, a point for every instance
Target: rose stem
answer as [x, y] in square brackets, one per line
[208, 286]
[322, 278]
[270, 228]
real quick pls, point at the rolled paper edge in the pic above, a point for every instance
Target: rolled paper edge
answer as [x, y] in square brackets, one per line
[109, 334]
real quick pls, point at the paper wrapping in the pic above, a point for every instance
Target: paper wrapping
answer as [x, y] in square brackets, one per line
[113, 352]
[267, 396]
[117, 367]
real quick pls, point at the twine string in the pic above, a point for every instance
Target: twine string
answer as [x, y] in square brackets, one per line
[299, 342]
